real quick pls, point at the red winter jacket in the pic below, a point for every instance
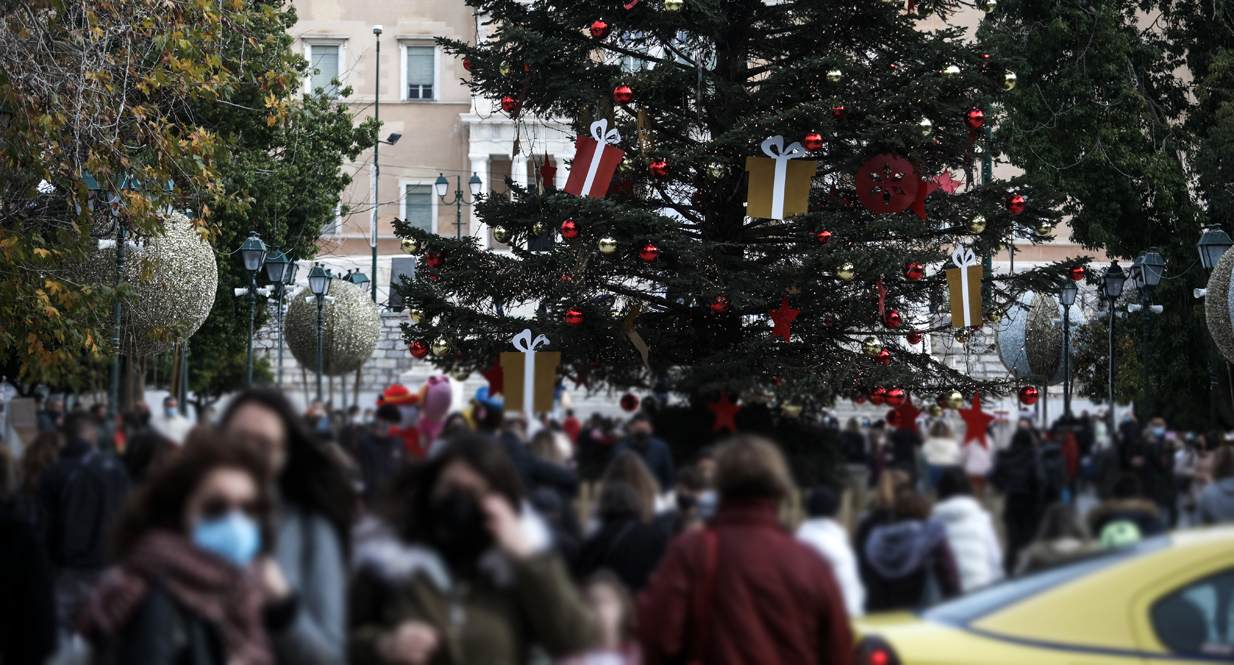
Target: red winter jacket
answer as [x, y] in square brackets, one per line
[774, 600]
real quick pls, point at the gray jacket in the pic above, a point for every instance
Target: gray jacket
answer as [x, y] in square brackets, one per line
[1216, 502]
[311, 556]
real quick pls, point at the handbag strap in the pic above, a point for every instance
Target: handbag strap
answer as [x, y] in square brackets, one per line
[702, 599]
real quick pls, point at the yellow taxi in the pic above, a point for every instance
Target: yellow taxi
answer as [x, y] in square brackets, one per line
[1164, 600]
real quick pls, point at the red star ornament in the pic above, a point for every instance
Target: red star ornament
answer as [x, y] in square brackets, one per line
[926, 188]
[947, 183]
[976, 421]
[724, 411]
[496, 378]
[907, 414]
[580, 376]
[782, 316]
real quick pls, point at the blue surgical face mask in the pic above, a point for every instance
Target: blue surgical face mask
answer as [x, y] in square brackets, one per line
[233, 536]
[171, 412]
[1158, 431]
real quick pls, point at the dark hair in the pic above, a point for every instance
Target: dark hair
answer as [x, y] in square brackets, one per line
[485, 456]
[628, 468]
[640, 417]
[1023, 438]
[94, 408]
[8, 474]
[77, 424]
[160, 503]
[488, 419]
[953, 482]
[353, 409]
[822, 502]
[1126, 486]
[706, 452]
[910, 506]
[389, 413]
[1060, 521]
[311, 478]
[752, 467]
[146, 452]
[37, 458]
[618, 501]
[1223, 462]
[690, 478]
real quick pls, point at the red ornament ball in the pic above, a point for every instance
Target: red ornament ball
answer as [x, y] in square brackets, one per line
[883, 357]
[659, 168]
[574, 316]
[649, 252]
[896, 397]
[913, 338]
[838, 112]
[813, 141]
[878, 395]
[720, 305]
[941, 401]
[569, 229]
[419, 349]
[629, 402]
[622, 94]
[600, 28]
[1028, 395]
[975, 118]
[822, 237]
[1016, 203]
[526, 67]
[509, 104]
[467, 64]
[893, 418]
[914, 271]
[891, 319]
[859, 399]
[1077, 273]
[434, 260]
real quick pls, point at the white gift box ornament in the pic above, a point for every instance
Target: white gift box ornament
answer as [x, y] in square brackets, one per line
[778, 187]
[529, 375]
[964, 284]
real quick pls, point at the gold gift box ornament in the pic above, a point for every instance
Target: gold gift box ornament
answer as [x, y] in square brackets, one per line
[529, 375]
[778, 187]
[964, 285]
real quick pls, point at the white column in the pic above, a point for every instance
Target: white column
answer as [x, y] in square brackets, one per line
[479, 164]
[518, 170]
[563, 171]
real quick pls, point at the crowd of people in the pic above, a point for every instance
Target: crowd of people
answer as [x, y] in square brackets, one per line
[412, 533]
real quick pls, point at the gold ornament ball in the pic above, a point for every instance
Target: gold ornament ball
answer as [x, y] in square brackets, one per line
[441, 346]
[539, 228]
[1044, 228]
[976, 224]
[834, 76]
[988, 6]
[501, 234]
[608, 245]
[1008, 82]
[791, 410]
[925, 126]
[416, 314]
[674, 5]
[505, 68]
[410, 245]
[994, 315]
[935, 411]
[962, 335]
[951, 71]
[871, 346]
[955, 400]
[626, 166]
[716, 170]
[460, 373]
[924, 10]
[847, 271]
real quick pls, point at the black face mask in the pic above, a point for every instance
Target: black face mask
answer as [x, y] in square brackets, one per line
[686, 502]
[459, 529]
[640, 439]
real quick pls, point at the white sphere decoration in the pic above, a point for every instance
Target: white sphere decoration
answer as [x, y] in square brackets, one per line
[1030, 342]
[350, 328]
[1219, 303]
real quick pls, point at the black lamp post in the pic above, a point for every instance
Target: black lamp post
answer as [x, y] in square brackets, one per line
[441, 185]
[278, 269]
[1112, 287]
[319, 285]
[359, 279]
[1212, 246]
[1067, 298]
[1147, 272]
[253, 251]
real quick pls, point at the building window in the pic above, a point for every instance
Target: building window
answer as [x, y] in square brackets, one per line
[324, 62]
[332, 225]
[418, 206]
[421, 71]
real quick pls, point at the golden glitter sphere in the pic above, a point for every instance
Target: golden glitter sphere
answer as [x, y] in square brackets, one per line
[924, 10]
[608, 245]
[350, 329]
[1008, 82]
[847, 271]
[716, 170]
[674, 5]
[501, 234]
[416, 314]
[460, 373]
[505, 68]
[791, 410]
[925, 126]
[539, 228]
[935, 411]
[962, 335]
[626, 166]
[441, 346]
[994, 315]
[410, 245]
[955, 400]
[976, 224]
[951, 71]
[871, 346]
[987, 6]
[1044, 228]
[834, 76]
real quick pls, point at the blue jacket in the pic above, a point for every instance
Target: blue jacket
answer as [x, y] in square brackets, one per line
[657, 457]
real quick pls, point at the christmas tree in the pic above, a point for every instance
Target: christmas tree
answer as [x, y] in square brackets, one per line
[759, 277]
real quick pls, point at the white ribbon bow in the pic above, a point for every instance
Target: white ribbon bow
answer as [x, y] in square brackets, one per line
[523, 342]
[964, 258]
[781, 155]
[603, 136]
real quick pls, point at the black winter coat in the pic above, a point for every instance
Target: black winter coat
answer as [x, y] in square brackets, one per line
[631, 549]
[536, 472]
[1015, 474]
[28, 611]
[80, 495]
[162, 632]
[656, 456]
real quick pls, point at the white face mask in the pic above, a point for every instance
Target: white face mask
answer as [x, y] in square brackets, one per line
[357, 420]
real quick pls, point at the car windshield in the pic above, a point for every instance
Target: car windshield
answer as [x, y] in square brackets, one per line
[973, 606]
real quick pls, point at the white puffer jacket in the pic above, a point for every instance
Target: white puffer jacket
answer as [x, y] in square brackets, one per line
[970, 534]
[831, 540]
[941, 451]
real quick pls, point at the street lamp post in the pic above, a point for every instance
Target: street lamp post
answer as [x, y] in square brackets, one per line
[253, 251]
[319, 285]
[278, 269]
[1067, 297]
[376, 176]
[1112, 287]
[1212, 245]
[441, 185]
[1147, 272]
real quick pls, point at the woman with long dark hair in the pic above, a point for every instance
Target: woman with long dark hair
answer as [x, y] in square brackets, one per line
[314, 504]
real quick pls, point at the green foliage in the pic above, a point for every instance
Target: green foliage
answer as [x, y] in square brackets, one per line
[1091, 361]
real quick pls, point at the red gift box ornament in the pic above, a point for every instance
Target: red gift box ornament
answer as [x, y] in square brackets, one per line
[601, 156]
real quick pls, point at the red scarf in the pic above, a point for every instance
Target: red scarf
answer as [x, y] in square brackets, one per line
[208, 586]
